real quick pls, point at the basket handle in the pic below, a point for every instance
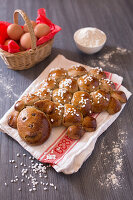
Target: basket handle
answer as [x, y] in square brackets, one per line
[29, 25]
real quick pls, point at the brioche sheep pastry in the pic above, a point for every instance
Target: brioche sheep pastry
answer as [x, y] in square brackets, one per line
[69, 98]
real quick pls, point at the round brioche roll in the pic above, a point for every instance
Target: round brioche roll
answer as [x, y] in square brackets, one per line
[48, 84]
[70, 84]
[97, 72]
[58, 74]
[62, 96]
[89, 124]
[114, 106]
[72, 116]
[81, 100]
[88, 83]
[33, 126]
[119, 95]
[106, 85]
[77, 71]
[100, 101]
[75, 132]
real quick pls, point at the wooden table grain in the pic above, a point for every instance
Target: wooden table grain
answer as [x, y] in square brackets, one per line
[91, 182]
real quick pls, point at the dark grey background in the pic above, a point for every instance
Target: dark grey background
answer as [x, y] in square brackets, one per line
[114, 17]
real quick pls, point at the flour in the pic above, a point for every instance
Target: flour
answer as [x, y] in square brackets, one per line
[107, 58]
[6, 88]
[90, 37]
[113, 162]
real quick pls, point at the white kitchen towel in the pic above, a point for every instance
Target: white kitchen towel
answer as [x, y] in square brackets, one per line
[65, 155]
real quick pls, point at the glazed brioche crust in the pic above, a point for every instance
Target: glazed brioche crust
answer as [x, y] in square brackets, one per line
[67, 98]
[33, 126]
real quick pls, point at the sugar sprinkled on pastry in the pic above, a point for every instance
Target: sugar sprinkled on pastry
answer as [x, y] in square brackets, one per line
[57, 74]
[62, 96]
[72, 116]
[107, 85]
[100, 101]
[70, 84]
[97, 72]
[88, 83]
[77, 71]
[81, 100]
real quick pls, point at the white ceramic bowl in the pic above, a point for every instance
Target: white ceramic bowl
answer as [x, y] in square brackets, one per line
[90, 49]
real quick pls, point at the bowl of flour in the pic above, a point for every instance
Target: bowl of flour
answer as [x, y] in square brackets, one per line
[89, 40]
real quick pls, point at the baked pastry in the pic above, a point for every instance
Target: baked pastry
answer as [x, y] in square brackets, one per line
[30, 99]
[106, 85]
[88, 83]
[45, 106]
[72, 116]
[62, 96]
[57, 102]
[89, 124]
[58, 74]
[70, 84]
[100, 101]
[54, 111]
[114, 106]
[27, 100]
[81, 100]
[75, 132]
[77, 71]
[43, 93]
[33, 126]
[119, 95]
[49, 84]
[12, 120]
[56, 116]
[97, 72]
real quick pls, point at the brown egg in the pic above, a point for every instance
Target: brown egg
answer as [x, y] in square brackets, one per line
[26, 28]
[14, 31]
[41, 30]
[21, 48]
[25, 41]
[6, 42]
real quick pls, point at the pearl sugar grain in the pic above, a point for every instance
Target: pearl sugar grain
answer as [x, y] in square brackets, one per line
[33, 176]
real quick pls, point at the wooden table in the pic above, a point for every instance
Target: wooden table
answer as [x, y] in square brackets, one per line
[98, 177]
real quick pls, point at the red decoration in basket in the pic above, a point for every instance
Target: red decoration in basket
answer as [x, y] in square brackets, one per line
[13, 47]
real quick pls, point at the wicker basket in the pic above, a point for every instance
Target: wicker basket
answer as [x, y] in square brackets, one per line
[26, 59]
